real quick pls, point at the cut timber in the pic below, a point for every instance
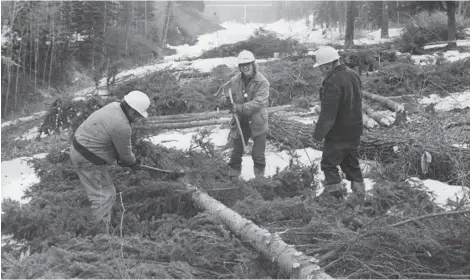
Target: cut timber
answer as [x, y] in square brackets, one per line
[209, 115]
[381, 119]
[392, 105]
[181, 125]
[294, 263]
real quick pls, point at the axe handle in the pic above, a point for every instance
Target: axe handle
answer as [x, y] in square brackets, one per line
[156, 169]
[237, 121]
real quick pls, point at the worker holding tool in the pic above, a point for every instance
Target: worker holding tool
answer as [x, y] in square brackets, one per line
[339, 124]
[250, 91]
[103, 138]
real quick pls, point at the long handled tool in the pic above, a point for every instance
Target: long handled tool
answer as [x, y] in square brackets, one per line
[237, 121]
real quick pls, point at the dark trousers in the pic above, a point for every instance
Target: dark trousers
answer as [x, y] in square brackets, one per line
[344, 154]
[257, 153]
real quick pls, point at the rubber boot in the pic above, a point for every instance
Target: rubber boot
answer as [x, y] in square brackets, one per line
[97, 228]
[234, 174]
[335, 190]
[259, 172]
[359, 192]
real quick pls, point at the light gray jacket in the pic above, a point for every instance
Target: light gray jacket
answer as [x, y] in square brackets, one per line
[107, 134]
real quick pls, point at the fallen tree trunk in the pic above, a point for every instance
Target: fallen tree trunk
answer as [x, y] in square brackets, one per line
[294, 263]
[181, 125]
[25, 120]
[209, 115]
[392, 105]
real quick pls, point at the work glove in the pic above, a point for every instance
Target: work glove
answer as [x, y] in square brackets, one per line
[236, 108]
[135, 165]
[224, 99]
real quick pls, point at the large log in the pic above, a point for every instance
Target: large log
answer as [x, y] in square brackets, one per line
[392, 105]
[294, 263]
[25, 120]
[209, 115]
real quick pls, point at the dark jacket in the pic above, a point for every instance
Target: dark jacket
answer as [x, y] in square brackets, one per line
[341, 106]
[256, 106]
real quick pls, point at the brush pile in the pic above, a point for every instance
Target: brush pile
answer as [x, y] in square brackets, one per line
[162, 235]
[406, 78]
[263, 44]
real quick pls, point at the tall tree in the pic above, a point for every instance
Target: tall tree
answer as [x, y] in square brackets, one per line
[384, 20]
[351, 14]
[452, 27]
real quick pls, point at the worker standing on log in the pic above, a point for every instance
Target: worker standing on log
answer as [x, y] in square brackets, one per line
[250, 95]
[339, 124]
[103, 138]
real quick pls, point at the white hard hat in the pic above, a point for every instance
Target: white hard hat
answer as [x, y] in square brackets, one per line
[245, 57]
[326, 55]
[138, 101]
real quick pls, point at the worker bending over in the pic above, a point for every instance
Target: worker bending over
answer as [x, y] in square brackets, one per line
[339, 124]
[103, 138]
[250, 91]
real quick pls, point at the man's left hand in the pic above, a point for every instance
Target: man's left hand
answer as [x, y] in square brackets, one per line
[236, 108]
[318, 142]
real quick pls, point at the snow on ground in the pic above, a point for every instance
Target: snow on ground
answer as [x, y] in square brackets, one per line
[234, 32]
[17, 176]
[30, 134]
[374, 37]
[430, 59]
[458, 100]
[441, 191]
[460, 43]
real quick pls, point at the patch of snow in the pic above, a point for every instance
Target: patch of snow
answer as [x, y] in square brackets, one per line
[453, 56]
[460, 43]
[430, 59]
[181, 139]
[17, 176]
[454, 101]
[374, 37]
[441, 191]
[30, 134]
[24, 119]
[234, 32]
[462, 146]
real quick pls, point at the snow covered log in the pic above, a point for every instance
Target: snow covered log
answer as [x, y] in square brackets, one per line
[181, 124]
[392, 105]
[294, 263]
[24, 120]
[209, 115]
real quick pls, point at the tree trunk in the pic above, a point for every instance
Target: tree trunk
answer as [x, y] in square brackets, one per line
[392, 105]
[294, 263]
[384, 20]
[349, 37]
[166, 23]
[452, 28]
[207, 115]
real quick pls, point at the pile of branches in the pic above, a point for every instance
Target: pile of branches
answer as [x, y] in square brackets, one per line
[157, 231]
[372, 243]
[263, 44]
[400, 149]
[415, 37]
[406, 78]
[69, 114]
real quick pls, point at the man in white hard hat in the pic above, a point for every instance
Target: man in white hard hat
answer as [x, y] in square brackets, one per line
[103, 138]
[339, 124]
[250, 91]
